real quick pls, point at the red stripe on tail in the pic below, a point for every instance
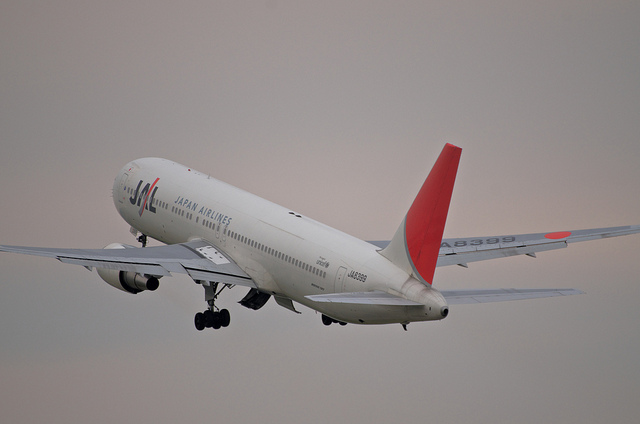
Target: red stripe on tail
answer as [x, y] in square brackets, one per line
[424, 223]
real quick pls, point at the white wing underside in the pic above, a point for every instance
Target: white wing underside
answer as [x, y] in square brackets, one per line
[198, 259]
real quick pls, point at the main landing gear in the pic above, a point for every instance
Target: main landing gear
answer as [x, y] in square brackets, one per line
[212, 317]
[328, 321]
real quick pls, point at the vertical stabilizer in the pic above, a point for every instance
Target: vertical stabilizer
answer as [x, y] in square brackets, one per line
[416, 244]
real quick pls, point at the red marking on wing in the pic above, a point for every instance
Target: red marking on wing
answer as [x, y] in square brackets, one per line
[558, 235]
[425, 220]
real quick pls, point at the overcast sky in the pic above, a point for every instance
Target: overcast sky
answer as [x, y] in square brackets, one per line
[337, 110]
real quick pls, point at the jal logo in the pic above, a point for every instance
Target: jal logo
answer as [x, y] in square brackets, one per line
[144, 197]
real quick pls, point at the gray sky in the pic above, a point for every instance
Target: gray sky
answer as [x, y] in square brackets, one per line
[338, 110]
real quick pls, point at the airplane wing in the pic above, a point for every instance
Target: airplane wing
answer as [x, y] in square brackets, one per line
[460, 297]
[199, 259]
[461, 251]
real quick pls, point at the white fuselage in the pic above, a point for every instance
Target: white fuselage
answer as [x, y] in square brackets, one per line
[286, 254]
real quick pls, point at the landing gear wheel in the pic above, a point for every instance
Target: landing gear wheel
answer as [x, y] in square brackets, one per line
[225, 318]
[216, 322]
[328, 321]
[199, 321]
[208, 318]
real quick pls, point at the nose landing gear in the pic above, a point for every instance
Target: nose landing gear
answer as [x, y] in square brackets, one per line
[143, 240]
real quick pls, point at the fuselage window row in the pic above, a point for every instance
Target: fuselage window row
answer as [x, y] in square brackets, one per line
[252, 243]
[286, 258]
[245, 240]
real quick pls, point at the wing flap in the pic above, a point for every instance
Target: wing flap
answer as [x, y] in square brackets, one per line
[461, 297]
[364, 298]
[220, 277]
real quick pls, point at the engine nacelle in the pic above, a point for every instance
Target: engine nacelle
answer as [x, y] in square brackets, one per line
[127, 281]
[130, 282]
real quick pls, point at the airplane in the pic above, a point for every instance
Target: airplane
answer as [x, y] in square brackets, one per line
[222, 237]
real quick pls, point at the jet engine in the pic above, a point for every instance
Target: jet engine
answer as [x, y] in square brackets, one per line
[127, 281]
[130, 282]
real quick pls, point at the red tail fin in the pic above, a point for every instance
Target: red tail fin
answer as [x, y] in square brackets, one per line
[416, 244]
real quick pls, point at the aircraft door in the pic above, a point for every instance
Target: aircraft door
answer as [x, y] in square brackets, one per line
[224, 234]
[122, 184]
[339, 281]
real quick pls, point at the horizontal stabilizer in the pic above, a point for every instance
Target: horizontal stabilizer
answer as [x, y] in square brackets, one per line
[461, 297]
[364, 298]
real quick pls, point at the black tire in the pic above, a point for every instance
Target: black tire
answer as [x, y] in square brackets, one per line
[208, 318]
[199, 321]
[217, 321]
[326, 320]
[225, 318]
